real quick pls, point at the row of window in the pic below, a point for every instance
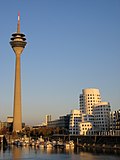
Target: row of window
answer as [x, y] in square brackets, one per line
[102, 109]
[98, 116]
[101, 122]
[98, 112]
[101, 119]
[84, 125]
[85, 128]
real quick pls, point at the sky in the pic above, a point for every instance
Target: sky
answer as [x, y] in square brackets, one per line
[71, 45]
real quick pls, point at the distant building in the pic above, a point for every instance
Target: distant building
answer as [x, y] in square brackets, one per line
[47, 119]
[62, 122]
[101, 112]
[75, 118]
[88, 98]
[10, 123]
[9, 119]
[115, 122]
[118, 121]
[113, 119]
[42, 125]
[3, 124]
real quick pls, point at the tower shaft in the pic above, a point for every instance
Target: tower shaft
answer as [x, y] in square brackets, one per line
[18, 43]
[17, 113]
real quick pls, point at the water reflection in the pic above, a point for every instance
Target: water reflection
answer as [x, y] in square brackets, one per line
[16, 153]
[34, 153]
[98, 151]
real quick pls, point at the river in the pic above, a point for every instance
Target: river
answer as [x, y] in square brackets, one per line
[29, 153]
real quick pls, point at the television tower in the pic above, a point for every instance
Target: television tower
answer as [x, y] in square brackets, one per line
[18, 43]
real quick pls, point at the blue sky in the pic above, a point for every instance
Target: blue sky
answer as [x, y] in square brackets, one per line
[72, 44]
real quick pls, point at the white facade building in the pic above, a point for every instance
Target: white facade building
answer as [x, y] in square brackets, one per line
[75, 118]
[101, 113]
[88, 98]
[85, 128]
[87, 118]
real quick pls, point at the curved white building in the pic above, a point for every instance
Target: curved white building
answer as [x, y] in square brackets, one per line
[75, 118]
[88, 98]
[101, 113]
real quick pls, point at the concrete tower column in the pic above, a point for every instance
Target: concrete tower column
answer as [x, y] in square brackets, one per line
[18, 43]
[17, 125]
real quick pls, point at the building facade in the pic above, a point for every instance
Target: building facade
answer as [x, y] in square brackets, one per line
[85, 128]
[10, 123]
[101, 112]
[47, 119]
[118, 121]
[3, 124]
[62, 122]
[115, 122]
[87, 118]
[75, 118]
[88, 98]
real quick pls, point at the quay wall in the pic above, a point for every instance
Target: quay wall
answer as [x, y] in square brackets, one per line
[98, 140]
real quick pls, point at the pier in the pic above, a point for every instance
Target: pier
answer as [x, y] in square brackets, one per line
[107, 142]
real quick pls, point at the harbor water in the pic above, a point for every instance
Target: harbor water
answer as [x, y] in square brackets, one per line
[33, 153]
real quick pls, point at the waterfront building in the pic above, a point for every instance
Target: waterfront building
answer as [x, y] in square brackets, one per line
[88, 98]
[47, 119]
[115, 122]
[113, 119]
[101, 112]
[42, 125]
[62, 122]
[85, 128]
[3, 124]
[9, 119]
[75, 118]
[18, 43]
[87, 118]
[10, 123]
[118, 123]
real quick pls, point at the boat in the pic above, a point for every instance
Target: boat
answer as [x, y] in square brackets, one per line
[48, 144]
[69, 145]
